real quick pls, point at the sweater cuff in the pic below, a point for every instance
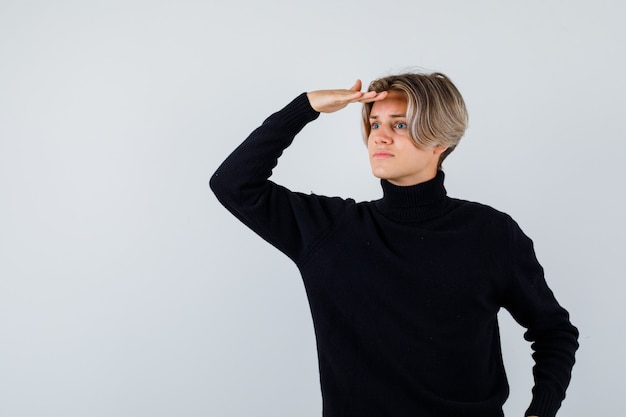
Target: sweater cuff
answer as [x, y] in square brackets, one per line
[295, 115]
[544, 404]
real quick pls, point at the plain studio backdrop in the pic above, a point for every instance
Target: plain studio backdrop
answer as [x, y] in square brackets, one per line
[127, 290]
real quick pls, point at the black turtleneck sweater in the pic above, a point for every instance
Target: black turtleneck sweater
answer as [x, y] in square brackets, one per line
[404, 291]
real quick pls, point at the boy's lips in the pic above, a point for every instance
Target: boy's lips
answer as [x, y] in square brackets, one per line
[382, 154]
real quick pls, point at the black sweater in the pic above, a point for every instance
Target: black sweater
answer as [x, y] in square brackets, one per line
[404, 291]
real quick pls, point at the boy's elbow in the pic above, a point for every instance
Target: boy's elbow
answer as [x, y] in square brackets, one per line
[225, 187]
[218, 185]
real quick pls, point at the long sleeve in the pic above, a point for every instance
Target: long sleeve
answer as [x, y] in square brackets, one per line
[553, 337]
[290, 221]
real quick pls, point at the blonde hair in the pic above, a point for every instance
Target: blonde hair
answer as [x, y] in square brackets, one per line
[436, 113]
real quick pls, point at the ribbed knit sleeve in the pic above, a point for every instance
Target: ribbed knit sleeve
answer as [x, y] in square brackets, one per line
[553, 337]
[290, 221]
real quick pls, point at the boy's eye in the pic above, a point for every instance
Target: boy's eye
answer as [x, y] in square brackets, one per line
[401, 125]
[375, 125]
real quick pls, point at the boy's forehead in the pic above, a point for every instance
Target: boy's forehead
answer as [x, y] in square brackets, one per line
[395, 102]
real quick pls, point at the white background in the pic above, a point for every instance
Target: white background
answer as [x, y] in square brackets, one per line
[127, 290]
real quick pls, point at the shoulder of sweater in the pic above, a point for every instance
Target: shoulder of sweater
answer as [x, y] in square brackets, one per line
[335, 204]
[477, 207]
[481, 210]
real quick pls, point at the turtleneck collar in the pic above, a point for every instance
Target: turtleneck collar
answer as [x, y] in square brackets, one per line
[413, 203]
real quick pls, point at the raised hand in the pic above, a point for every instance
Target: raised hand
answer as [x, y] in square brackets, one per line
[328, 101]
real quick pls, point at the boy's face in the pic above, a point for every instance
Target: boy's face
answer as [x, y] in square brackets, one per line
[393, 155]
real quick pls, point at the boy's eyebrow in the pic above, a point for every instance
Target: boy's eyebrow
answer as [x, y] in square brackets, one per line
[391, 115]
